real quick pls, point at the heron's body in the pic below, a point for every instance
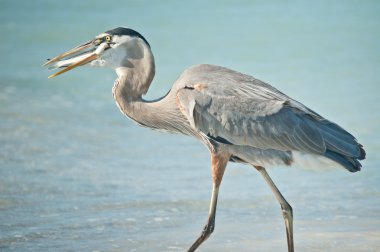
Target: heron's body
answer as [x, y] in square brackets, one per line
[238, 117]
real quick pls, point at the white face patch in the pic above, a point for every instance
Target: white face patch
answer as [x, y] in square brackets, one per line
[111, 57]
[120, 40]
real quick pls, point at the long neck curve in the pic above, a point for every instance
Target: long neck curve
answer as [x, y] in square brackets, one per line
[134, 79]
[136, 72]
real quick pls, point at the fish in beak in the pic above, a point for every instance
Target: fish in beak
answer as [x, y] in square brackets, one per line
[77, 56]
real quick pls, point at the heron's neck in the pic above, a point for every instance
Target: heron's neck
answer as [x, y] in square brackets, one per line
[135, 73]
[132, 83]
[160, 114]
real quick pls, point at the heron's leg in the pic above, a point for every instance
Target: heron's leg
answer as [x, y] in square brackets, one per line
[219, 163]
[287, 211]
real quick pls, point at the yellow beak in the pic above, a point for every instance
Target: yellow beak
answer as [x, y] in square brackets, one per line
[68, 53]
[80, 55]
[91, 57]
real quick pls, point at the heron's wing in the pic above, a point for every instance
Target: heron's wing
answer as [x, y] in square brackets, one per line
[243, 121]
[262, 123]
[232, 107]
[224, 82]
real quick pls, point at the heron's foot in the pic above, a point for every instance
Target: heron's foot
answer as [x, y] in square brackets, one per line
[206, 232]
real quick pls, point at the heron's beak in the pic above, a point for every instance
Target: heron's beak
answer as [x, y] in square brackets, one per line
[75, 57]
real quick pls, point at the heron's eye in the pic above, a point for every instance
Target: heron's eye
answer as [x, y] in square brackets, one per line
[108, 38]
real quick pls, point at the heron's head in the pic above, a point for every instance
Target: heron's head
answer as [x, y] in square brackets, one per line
[114, 48]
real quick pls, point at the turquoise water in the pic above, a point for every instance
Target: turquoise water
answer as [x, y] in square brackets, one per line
[75, 175]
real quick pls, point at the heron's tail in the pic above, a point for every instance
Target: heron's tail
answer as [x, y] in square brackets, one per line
[341, 146]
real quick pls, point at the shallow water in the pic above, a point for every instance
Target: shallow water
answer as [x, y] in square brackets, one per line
[75, 175]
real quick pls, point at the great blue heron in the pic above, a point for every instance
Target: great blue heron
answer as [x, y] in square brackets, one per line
[239, 118]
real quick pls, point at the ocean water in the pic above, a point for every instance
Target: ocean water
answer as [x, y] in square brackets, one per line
[75, 175]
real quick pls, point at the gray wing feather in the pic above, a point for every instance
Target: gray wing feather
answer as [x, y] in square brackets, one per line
[260, 124]
[245, 111]
[222, 82]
